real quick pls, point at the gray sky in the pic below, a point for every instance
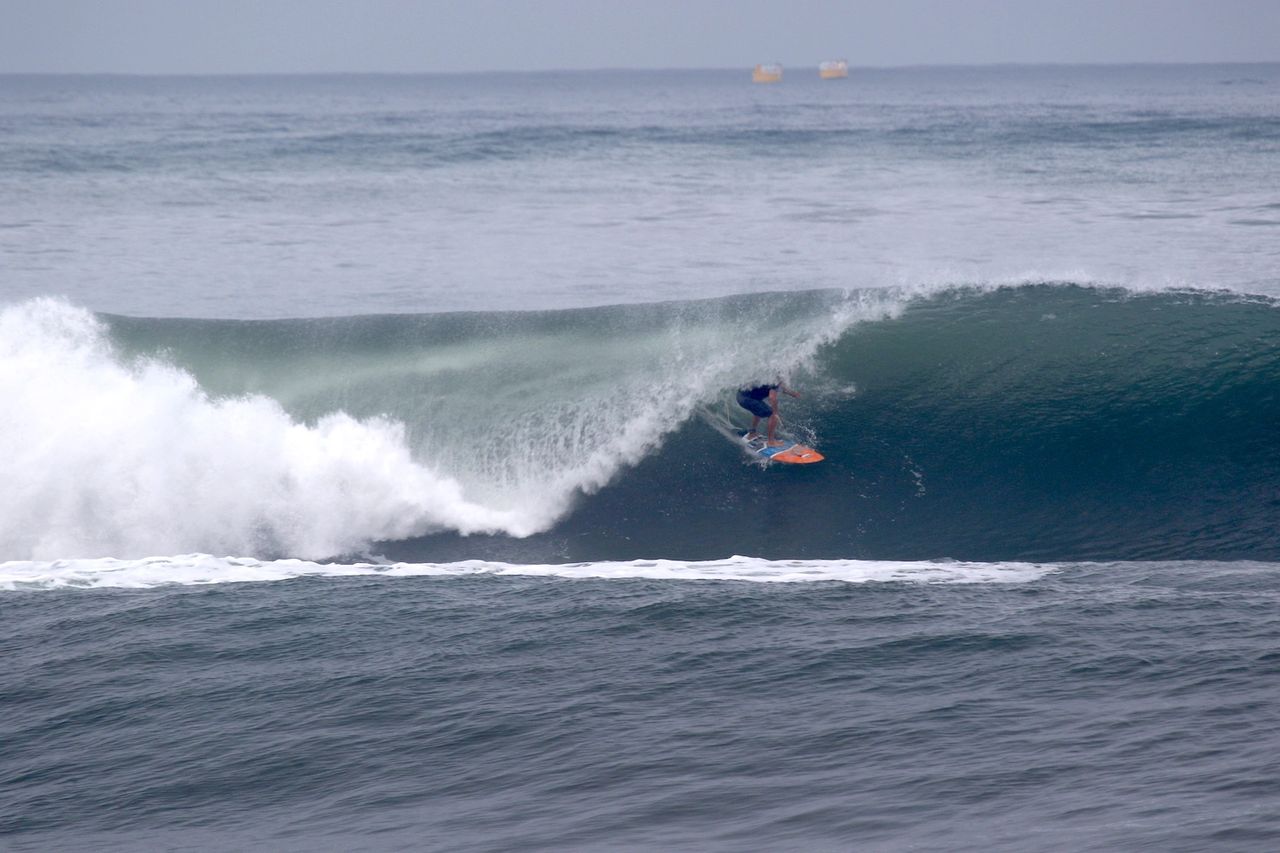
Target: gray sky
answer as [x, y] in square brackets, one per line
[240, 36]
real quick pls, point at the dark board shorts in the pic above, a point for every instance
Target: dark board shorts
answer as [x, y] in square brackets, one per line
[759, 408]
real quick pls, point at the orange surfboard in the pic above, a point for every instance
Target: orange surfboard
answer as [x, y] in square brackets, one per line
[789, 451]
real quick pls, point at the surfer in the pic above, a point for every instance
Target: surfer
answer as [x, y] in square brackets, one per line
[762, 402]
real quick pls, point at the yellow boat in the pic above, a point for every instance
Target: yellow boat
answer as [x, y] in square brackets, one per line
[833, 69]
[767, 73]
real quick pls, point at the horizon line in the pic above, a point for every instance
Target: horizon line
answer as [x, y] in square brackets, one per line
[635, 69]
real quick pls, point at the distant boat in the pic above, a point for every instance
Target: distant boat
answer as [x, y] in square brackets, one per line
[833, 69]
[767, 73]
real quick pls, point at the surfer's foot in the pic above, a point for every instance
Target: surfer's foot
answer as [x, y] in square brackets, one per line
[775, 443]
[751, 435]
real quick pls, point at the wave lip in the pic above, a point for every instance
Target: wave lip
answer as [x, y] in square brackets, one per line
[203, 569]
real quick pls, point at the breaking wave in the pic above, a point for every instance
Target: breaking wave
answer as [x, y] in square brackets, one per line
[1038, 421]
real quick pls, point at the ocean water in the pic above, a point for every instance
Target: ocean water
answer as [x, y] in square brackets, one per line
[368, 480]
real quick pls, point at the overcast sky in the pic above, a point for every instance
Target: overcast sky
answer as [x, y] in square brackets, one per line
[240, 36]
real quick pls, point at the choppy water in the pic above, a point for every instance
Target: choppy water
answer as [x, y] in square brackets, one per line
[1081, 707]
[368, 479]
[288, 197]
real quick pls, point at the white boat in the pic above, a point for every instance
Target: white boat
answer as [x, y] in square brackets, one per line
[833, 69]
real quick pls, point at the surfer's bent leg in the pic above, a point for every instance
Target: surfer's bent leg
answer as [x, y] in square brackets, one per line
[773, 418]
[759, 409]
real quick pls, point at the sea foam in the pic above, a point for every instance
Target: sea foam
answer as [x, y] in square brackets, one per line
[101, 456]
[203, 569]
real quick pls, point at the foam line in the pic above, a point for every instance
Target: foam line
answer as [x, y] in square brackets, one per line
[202, 569]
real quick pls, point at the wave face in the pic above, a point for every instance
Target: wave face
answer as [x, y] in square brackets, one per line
[1038, 421]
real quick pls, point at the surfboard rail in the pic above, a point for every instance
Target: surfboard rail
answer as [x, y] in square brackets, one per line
[790, 452]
